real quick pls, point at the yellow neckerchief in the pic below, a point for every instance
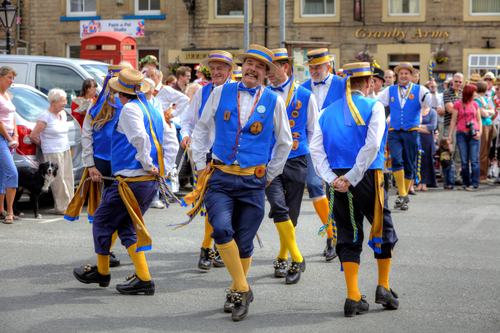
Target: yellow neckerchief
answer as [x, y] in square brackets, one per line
[88, 188]
[143, 239]
[407, 91]
[158, 146]
[352, 107]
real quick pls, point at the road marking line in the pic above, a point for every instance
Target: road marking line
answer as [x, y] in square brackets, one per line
[53, 220]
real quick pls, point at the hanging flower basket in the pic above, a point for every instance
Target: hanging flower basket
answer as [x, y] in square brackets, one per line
[364, 56]
[440, 56]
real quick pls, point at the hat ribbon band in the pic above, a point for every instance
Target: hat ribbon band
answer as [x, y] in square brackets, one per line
[125, 86]
[315, 56]
[276, 55]
[260, 54]
[317, 60]
[215, 56]
[358, 72]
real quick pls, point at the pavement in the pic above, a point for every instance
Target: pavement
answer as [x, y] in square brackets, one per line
[446, 270]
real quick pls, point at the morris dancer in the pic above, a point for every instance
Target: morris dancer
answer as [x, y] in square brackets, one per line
[348, 152]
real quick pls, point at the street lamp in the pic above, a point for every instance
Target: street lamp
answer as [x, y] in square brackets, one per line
[7, 16]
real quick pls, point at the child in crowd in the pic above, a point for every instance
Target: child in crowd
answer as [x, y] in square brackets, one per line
[445, 150]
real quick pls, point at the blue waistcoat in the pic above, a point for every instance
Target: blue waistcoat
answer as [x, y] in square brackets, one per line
[252, 149]
[123, 152]
[205, 94]
[342, 143]
[299, 130]
[334, 93]
[408, 116]
[102, 137]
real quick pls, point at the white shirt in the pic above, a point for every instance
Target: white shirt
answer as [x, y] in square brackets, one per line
[312, 108]
[169, 96]
[321, 90]
[204, 132]
[131, 123]
[431, 102]
[54, 138]
[366, 155]
[490, 92]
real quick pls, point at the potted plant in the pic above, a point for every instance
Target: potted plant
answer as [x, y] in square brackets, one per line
[364, 56]
[440, 56]
[173, 66]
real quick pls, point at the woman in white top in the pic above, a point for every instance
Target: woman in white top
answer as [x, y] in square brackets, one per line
[51, 134]
[8, 143]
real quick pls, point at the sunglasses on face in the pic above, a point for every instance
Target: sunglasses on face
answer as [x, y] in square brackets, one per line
[488, 79]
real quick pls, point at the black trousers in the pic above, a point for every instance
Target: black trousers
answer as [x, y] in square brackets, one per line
[363, 206]
[286, 191]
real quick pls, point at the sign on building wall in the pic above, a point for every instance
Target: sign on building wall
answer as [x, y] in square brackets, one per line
[134, 28]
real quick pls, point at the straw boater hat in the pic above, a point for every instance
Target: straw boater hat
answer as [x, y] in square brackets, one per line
[128, 80]
[219, 55]
[237, 73]
[116, 68]
[405, 65]
[474, 78]
[317, 57]
[357, 69]
[259, 53]
[281, 54]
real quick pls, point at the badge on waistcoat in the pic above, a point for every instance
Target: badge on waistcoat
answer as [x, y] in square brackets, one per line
[295, 135]
[295, 114]
[227, 114]
[261, 109]
[256, 128]
[299, 105]
[392, 99]
[292, 122]
[411, 96]
[260, 171]
[295, 144]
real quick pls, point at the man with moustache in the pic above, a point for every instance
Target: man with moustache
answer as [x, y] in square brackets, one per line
[326, 88]
[239, 121]
[286, 190]
[406, 100]
[220, 64]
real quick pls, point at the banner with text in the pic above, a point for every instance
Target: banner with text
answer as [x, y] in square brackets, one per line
[134, 28]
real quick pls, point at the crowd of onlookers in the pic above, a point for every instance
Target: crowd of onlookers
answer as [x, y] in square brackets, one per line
[458, 139]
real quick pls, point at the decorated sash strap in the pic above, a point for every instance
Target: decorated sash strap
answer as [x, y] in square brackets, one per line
[198, 194]
[86, 189]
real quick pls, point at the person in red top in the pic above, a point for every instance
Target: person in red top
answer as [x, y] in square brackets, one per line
[81, 103]
[467, 117]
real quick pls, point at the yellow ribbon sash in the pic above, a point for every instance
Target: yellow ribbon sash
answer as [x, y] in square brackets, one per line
[85, 189]
[375, 241]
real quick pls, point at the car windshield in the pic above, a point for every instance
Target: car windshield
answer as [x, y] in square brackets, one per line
[98, 72]
[29, 104]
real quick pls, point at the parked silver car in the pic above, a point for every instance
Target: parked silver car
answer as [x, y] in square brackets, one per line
[29, 104]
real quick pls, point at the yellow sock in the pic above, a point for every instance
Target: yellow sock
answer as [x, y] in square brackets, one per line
[351, 280]
[230, 254]
[246, 267]
[207, 241]
[140, 264]
[384, 266]
[113, 239]
[401, 181]
[407, 185]
[283, 249]
[287, 234]
[321, 208]
[103, 264]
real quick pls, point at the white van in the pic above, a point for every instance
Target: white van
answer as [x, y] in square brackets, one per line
[45, 73]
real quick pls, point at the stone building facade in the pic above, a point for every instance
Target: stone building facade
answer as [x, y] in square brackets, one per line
[391, 30]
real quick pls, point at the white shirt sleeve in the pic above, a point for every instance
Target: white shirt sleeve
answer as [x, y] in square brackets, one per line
[318, 155]
[383, 97]
[191, 115]
[168, 96]
[131, 123]
[368, 153]
[204, 131]
[283, 145]
[88, 142]
[430, 100]
[312, 118]
[170, 146]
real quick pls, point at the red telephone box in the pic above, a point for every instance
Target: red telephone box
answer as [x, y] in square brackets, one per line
[110, 47]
